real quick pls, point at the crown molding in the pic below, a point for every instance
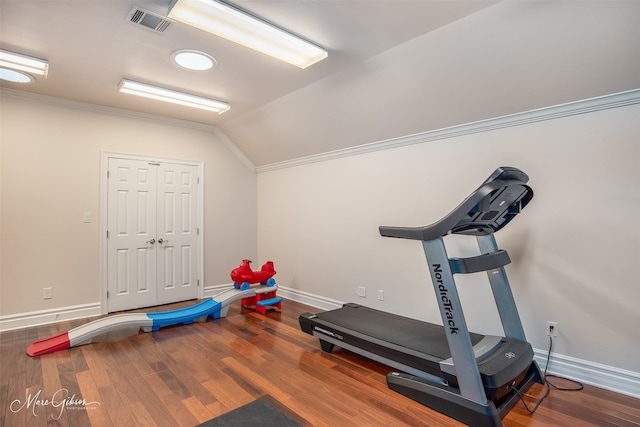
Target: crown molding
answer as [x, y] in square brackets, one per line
[518, 119]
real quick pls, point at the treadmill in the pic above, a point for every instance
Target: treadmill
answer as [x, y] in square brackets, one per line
[473, 378]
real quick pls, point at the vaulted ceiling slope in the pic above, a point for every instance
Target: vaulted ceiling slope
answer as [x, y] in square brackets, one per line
[395, 67]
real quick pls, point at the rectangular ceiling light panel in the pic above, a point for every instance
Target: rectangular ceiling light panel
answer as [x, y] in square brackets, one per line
[225, 21]
[161, 94]
[25, 63]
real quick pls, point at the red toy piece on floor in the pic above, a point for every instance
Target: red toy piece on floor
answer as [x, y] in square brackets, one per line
[264, 298]
[263, 301]
[243, 276]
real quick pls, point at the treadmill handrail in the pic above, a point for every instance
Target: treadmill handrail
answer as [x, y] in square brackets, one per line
[445, 225]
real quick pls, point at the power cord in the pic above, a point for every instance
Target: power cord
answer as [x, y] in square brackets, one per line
[531, 411]
[548, 384]
[579, 385]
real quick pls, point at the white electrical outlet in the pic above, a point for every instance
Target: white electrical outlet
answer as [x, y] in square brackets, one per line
[552, 329]
[362, 291]
[46, 293]
[380, 295]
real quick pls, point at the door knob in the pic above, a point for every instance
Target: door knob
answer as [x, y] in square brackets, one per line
[163, 241]
[152, 241]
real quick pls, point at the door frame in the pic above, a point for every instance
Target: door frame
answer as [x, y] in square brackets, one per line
[104, 186]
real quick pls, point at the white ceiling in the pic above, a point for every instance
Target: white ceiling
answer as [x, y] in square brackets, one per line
[395, 67]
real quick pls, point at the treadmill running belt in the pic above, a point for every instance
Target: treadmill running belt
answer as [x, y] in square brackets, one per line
[416, 335]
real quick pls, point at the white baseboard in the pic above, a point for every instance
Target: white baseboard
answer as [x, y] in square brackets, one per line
[309, 299]
[592, 373]
[45, 317]
[288, 293]
[83, 311]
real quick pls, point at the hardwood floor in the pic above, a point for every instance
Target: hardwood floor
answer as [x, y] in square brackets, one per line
[185, 375]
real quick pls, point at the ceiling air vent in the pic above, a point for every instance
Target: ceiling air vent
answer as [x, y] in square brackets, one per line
[148, 20]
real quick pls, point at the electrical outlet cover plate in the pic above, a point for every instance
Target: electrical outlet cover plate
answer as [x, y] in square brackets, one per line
[552, 329]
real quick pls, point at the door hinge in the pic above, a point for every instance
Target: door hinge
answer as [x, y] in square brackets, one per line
[107, 294]
[198, 180]
[198, 282]
[198, 231]
[107, 234]
[107, 174]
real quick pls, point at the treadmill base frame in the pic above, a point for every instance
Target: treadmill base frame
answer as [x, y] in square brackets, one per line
[449, 401]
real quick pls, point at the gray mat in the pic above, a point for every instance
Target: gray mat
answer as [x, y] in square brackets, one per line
[258, 413]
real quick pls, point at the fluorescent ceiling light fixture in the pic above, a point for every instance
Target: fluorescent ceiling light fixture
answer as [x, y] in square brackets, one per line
[193, 60]
[29, 64]
[15, 76]
[161, 94]
[233, 24]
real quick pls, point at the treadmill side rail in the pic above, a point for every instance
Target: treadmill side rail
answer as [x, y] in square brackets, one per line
[455, 325]
[505, 303]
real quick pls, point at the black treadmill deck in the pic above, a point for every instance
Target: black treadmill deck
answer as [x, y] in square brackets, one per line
[422, 337]
[415, 344]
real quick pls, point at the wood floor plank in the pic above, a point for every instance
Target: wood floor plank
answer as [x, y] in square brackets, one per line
[197, 409]
[187, 374]
[141, 415]
[154, 406]
[120, 412]
[349, 383]
[178, 412]
[217, 408]
[19, 396]
[260, 382]
[52, 389]
[186, 368]
[228, 392]
[93, 359]
[72, 395]
[96, 409]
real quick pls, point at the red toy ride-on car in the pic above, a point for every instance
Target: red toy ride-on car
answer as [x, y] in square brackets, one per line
[243, 276]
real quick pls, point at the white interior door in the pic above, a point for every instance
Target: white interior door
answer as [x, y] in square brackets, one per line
[177, 244]
[152, 233]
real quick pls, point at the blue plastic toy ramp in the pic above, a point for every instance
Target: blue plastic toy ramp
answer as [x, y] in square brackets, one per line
[184, 315]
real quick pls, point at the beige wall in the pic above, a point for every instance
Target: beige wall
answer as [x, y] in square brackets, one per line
[574, 249]
[50, 176]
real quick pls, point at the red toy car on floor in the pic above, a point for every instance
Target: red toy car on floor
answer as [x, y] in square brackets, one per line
[243, 276]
